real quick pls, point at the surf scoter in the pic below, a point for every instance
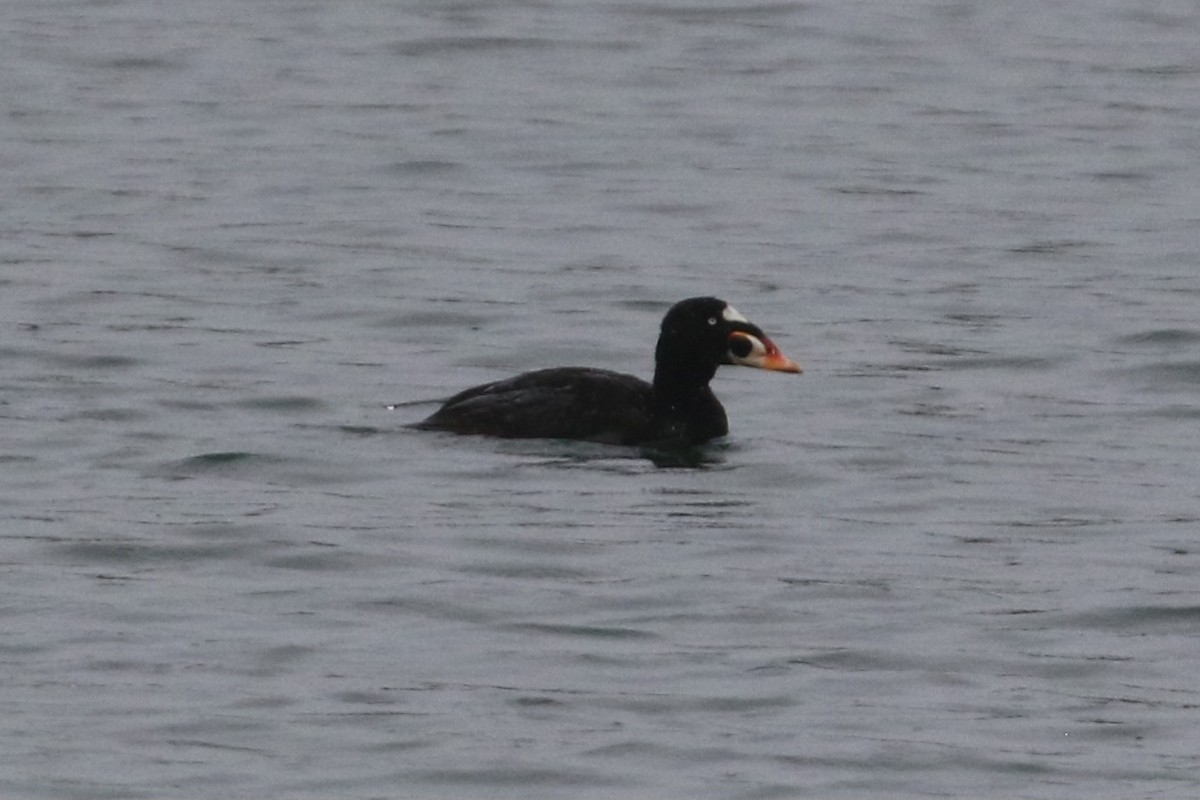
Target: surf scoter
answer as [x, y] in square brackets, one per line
[598, 405]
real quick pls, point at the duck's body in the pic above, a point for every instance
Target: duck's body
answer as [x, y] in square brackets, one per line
[599, 405]
[593, 405]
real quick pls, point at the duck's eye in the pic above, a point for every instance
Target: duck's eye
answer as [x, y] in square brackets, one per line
[740, 346]
[712, 320]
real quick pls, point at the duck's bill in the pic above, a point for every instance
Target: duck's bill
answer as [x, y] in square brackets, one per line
[759, 352]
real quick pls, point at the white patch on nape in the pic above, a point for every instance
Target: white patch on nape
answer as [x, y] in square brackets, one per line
[730, 314]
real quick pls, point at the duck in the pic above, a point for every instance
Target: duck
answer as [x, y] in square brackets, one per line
[676, 408]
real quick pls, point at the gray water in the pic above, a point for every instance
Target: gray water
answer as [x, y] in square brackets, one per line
[956, 557]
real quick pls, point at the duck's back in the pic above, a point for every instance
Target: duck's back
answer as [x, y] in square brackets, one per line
[594, 405]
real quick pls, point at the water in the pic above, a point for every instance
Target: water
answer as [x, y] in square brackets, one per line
[955, 558]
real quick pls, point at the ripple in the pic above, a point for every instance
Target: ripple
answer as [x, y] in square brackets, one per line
[99, 362]
[1050, 247]
[112, 415]
[139, 553]
[139, 63]
[521, 777]
[424, 167]
[220, 461]
[470, 44]
[284, 403]
[1162, 337]
[586, 631]
[713, 12]
[1140, 617]
[322, 562]
[527, 571]
[1001, 363]
[261, 467]
[1167, 373]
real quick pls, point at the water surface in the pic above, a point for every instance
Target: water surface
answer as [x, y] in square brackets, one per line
[955, 558]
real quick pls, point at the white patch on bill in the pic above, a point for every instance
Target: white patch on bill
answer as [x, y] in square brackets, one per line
[731, 315]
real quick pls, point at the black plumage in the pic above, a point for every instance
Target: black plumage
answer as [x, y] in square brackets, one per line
[599, 405]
